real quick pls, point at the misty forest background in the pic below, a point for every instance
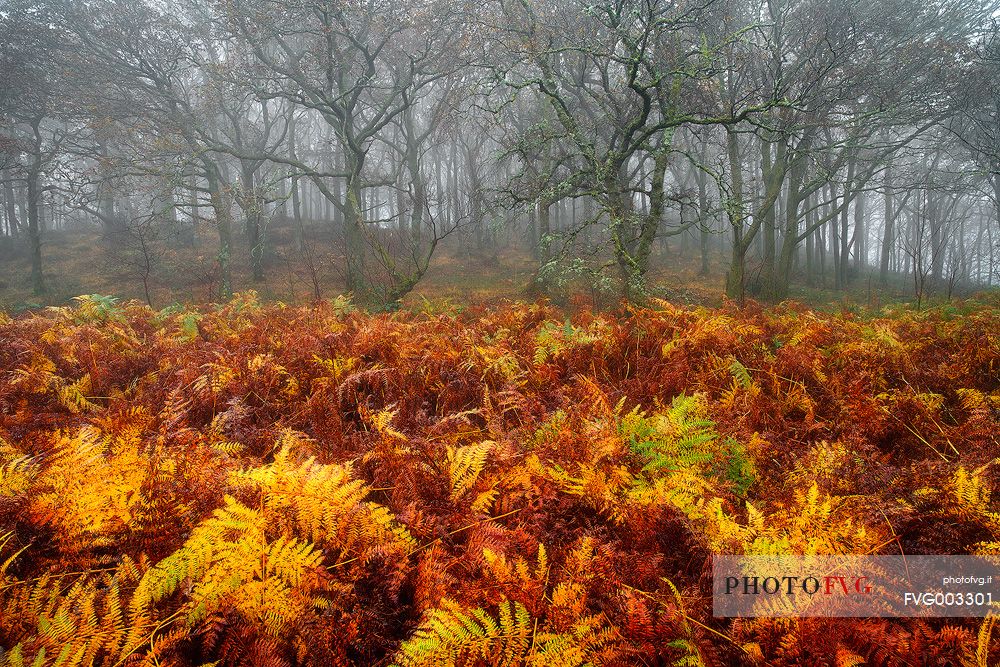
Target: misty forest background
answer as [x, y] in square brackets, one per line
[186, 149]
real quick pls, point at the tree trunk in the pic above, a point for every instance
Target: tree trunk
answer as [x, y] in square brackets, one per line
[834, 236]
[106, 201]
[543, 227]
[860, 235]
[935, 219]
[223, 224]
[888, 233]
[298, 232]
[453, 214]
[419, 202]
[633, 255]
[10, 206]
[34, 231]
[843, 255]
[736, 276]
[251, 203]
[34, 196]
[767, 269]
[354, 229]
[810, 252]
[776, 287]
[703, 221]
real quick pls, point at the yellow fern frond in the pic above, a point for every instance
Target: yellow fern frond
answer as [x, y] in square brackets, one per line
[973, 493]
[381, 421]
[38, 376]
[338, 367]
[230, 563]
[465, 464]
[324, 504]
[983, 640]
[73, 396]
[17, 475]
[90, 491]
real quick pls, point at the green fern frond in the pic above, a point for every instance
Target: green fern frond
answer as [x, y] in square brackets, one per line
[73, 396]
[740, 373]
[458, 637]
[96, 308]
[452, 635]
[551, 339]
[679, 438]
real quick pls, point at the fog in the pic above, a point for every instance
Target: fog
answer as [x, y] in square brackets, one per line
[768, 147]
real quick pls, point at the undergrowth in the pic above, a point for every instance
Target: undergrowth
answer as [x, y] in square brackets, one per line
[256, 484]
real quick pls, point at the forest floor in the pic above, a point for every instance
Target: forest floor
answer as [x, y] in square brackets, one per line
[261, 484]
[81, 262]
